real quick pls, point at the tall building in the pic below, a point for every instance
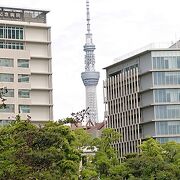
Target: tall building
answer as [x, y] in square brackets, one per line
[25, 64]
[90, 77]
[142, 97]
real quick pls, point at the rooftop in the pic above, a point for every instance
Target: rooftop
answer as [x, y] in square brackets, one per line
[25, 15]
[150, 47]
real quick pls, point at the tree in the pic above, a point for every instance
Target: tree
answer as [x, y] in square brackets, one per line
[104, 164]
[29, 152]
[83, 139]
[75, 118]
[154, 161]
[54, 152]
[171, 152]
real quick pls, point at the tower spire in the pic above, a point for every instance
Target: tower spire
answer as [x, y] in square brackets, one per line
[90, 77]
[89, 47]
[88, 16]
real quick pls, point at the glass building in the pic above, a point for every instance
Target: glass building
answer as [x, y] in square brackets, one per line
[142, 97]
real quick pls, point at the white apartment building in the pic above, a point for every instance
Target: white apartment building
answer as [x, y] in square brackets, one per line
[25, 64]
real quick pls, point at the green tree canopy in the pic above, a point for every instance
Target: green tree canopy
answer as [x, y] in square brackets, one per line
[104, 164]
[156, 161]
[30, 152]
[54, 152]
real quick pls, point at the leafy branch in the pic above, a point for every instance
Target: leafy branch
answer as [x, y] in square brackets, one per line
[75, 118]
[3, 91]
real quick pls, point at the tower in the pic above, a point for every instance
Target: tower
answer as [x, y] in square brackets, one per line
[90, 77]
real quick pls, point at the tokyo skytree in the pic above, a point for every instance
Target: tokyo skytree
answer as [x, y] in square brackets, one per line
[90, 77]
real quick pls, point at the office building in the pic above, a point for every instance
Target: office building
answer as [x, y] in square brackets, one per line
[25, 64]
[142, 97]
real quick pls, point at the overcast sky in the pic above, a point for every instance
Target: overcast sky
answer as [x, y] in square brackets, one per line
[118, 27]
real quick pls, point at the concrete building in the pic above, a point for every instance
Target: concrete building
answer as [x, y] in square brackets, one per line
[90, 77]
[142, 97]
[25, 64]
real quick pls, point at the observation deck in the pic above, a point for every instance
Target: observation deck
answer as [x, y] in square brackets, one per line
[90, 78]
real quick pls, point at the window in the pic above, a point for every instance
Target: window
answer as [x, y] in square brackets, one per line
[167, 62]
[11, 45]
[168, 127]
[23, 78]
[167, 112]
[6, 77]
[168, 139]
[23, 63]
[9, 108]
[6, 62]
[166, 78]
[4, 122]
[1, 32]
[24, 109]
[10, 93]
[11, 32]
[167, 95]
[21, 33]
[1, 45]
[24, 93]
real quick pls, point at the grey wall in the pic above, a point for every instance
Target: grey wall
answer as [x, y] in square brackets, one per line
[147, 114]
[146, 98]
[146, 82]
[148, 129]
[145, 63]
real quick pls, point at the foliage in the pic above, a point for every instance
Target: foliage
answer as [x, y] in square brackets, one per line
[83, 139]
[155, 161]
[81, 115]
[89, 173]
[104, 162]
[3, 91]
[75, 118]
[29, 152]
[54, 152]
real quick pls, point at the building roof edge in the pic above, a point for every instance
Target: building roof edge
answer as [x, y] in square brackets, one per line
[140, 53]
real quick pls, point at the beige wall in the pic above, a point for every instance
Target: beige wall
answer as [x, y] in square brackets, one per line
[39, 81]
[34, 34]
[38, 50]
[39, 65]
[40, 97]
[40, 113]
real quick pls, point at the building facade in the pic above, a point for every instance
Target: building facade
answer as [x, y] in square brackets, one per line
[142, 98]
[25, 64]
[90, 77]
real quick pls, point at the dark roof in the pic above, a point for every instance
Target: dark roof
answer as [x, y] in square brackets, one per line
[97, 126]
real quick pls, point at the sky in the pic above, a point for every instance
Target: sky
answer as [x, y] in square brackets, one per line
[118, 27]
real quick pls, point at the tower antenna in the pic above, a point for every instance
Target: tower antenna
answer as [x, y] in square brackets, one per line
[88, 16]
